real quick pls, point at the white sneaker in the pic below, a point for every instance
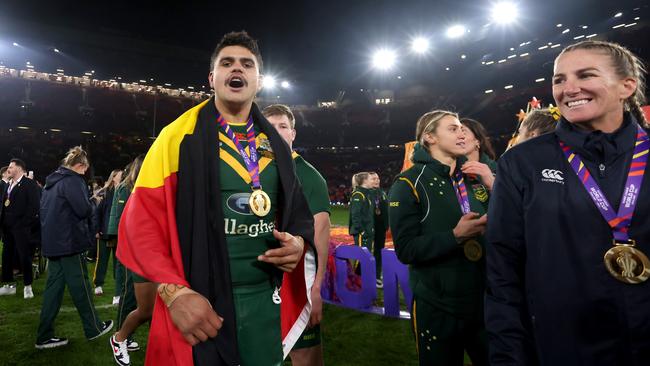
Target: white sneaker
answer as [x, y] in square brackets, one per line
[8, 290]
[99, 291]
[28, 293]
[120, 352]
[132, 345]
[116, 300]
[380, 283]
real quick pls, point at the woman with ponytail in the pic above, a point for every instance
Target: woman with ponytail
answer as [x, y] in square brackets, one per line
[65, 209]
[138, 294]
[569, 231]
[105, 243]
[361, 224]
[438, 224]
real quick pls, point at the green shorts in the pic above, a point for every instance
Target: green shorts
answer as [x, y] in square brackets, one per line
[258, 325]
[309, 338]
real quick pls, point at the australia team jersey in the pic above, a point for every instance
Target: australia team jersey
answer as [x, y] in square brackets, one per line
[313, 184]
[247, 235]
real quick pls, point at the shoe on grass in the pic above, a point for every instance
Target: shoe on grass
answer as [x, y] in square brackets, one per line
[99, 291]
[106, 327]
[132, 345]
[116, 300]
[120, 351]
[51, 343]
[28, 293]
[8, 290]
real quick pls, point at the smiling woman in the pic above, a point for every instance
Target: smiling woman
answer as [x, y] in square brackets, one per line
[592, 78]
[555, 286]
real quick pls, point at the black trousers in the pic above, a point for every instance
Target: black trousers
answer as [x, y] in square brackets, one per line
[17, 241]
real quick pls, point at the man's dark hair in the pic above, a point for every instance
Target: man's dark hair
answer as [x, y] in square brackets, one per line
[3, 170]
[20, 163]
[241, 39]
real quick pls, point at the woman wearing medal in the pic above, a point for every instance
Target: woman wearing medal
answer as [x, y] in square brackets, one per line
[570, 224]
[437, 227]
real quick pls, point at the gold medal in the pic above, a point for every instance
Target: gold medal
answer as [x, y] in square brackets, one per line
[260, 203]
[377, 211]
[627, 264]
[7, 202]
[473, 250]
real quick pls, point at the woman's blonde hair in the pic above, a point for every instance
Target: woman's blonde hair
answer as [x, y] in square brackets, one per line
[359, 178]
[133, 169]
[626, 64]
[428, 123]
[75, 155]
[109, 182]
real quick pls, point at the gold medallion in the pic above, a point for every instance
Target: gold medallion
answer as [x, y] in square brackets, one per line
[260, 203]
[377, 211]
[7, 202]
[473, 250]
[627, 264]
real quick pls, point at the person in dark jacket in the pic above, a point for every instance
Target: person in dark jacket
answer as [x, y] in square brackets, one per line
[380, 222]
[362, 224]
[19, 214]
[105, 243]
[437, 225]
[569, 230]
[65, 209]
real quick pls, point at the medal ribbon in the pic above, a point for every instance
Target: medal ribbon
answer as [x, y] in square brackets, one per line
[251, 160]
[619, 222]
[461, 192]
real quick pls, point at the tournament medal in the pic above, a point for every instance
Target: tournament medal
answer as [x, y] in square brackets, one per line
[472, 248]
[259, 202]
[624, 261]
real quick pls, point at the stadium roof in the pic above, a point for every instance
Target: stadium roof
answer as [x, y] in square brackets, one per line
[319, 47]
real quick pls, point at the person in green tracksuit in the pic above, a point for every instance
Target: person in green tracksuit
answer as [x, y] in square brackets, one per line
[308, 350]
[105, 243]
[380, 215]
[362, 222]
[438, 225]
[480, 166]
[123, 278]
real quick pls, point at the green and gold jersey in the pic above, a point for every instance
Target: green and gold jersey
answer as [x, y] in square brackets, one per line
[247, 235]
[313, 184]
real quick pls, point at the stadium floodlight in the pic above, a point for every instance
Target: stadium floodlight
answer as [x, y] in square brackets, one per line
[56, 50]
[269, 82]
[16, 44]
[504, 12]
[420, 45]
[285, 84]
[456, 31]
[384, 59]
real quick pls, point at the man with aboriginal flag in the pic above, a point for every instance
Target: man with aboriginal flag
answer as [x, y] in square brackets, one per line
[225, 231]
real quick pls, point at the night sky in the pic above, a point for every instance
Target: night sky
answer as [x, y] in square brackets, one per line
[320, 46]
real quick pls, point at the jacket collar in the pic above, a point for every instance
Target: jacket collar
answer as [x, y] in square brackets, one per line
[598, 146]
[422, 157]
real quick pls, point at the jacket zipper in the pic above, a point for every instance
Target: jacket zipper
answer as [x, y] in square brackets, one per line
[601, 170]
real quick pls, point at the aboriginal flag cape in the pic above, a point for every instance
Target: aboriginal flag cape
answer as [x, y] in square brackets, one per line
[172, 231]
